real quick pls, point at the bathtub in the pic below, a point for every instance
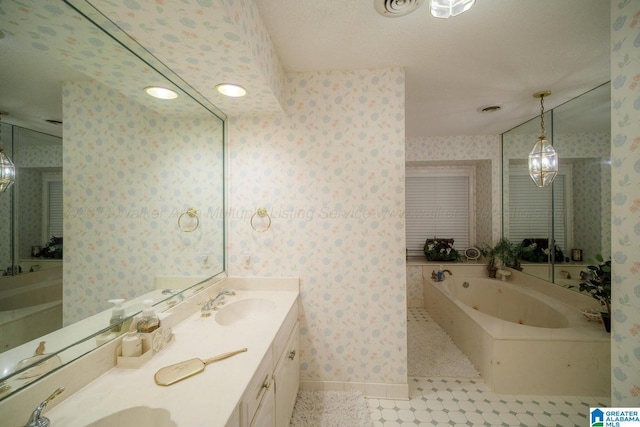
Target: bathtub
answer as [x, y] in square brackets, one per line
[30, 306]
[523, 341]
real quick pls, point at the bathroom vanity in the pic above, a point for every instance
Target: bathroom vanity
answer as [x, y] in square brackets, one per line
[254, 388]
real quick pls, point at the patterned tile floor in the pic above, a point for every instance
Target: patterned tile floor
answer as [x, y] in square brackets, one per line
[470, 402]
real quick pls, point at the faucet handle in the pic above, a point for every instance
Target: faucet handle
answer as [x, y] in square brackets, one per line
[36, 420]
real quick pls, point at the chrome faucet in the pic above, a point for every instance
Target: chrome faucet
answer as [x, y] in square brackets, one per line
[213, 303]
[36, 420]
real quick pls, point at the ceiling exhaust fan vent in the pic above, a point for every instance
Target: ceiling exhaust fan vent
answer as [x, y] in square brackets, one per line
[396, 8]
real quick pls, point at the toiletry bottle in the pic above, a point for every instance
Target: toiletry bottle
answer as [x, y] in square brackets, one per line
[440, 274]
[131, 345]
[149, 321]
[117, 315]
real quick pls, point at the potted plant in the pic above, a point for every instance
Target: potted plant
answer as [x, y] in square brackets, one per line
[440, 250]
[489, 254]
[596, 281]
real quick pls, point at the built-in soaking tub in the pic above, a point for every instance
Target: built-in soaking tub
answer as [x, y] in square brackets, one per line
[30, 306]
[522, 341]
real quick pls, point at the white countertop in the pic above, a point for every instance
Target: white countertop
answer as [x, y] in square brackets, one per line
[206, 399]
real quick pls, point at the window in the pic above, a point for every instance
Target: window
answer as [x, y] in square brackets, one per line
[530, 208]
[439, 202]
[52, 209]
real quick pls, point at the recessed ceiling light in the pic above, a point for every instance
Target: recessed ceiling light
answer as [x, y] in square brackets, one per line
[232, 90]
[161, 92]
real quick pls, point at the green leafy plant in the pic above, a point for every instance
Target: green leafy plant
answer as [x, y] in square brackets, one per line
[440, 250]
[596, 281]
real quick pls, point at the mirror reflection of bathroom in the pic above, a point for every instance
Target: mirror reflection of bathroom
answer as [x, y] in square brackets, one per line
[575, 211]
[85, 233]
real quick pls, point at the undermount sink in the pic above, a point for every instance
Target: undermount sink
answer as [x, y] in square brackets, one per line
[137, 416]
[245, 309]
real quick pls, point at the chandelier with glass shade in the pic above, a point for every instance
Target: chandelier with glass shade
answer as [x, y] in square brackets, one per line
[543, 159]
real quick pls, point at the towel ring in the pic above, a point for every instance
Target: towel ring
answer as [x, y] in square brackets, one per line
[261, 213]
[190, 213]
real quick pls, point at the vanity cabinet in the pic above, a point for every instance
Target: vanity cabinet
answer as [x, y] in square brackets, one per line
[270, 396]
[286, 379]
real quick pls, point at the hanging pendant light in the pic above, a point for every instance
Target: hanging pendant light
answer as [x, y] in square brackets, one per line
[543, 159]
[7, 169]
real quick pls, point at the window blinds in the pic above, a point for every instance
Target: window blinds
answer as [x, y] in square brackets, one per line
[530, 210]
[437, 206]
[54, 223]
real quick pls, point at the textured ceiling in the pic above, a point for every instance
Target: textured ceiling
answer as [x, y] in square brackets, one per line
[498, 53]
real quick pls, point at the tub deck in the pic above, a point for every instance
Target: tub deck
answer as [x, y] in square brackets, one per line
[568, 359]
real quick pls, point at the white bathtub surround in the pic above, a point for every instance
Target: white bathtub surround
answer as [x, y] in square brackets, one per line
[563, 355]
[30, 307]
[195, 336]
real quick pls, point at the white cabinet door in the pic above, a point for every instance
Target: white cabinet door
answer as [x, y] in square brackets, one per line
[265, 415]
[287, 379]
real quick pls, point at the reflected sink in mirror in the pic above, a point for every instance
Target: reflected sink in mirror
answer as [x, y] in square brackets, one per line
[138, 416]
[244, 310]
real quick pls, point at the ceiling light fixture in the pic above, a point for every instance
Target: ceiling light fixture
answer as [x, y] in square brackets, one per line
[160, 92]
[543, 159]
[448, 8]
[232, 90]
[7, 168]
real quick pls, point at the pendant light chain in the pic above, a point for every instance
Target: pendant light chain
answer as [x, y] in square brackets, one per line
[542, 115]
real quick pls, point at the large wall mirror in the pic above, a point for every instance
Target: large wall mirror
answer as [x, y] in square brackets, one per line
[571, 219]
[124, 199]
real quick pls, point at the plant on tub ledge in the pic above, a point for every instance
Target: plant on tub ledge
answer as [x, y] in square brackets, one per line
[505, 251]
[596, 281]
[440, 250]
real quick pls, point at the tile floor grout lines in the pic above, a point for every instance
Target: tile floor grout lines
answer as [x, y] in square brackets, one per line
[452, 401]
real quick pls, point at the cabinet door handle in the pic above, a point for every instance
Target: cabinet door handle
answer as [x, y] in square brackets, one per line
[292, 354]
[266, 385]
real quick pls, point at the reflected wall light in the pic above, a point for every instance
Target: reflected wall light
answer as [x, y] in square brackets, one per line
[543, 159]
[7, 169]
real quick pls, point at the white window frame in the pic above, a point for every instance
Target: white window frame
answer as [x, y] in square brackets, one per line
[442, 172]
[48, 178]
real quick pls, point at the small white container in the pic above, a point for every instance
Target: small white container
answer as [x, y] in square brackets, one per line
[131, 345]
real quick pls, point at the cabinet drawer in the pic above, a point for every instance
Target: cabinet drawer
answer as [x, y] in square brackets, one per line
[280, 341]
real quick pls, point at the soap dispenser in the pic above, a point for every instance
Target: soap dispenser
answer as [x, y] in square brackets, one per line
[149, 321]
[440, 274]
[117, 315]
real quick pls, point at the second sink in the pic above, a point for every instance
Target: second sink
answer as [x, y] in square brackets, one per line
[245, 309]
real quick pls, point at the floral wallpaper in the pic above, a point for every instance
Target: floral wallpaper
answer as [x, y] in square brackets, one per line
[128, 175]
[625, 247]
[207, 43]
[331, 174]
